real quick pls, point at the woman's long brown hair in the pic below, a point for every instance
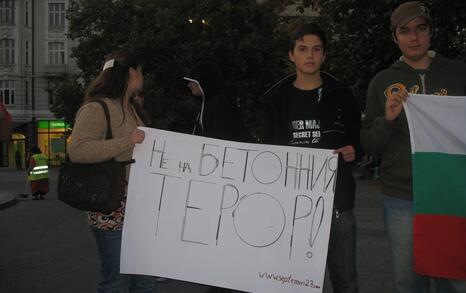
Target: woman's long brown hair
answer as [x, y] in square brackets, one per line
[112, 82]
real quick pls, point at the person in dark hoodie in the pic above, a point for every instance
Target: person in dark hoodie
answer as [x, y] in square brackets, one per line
[312, 109]
[219, 116]
[385, 131]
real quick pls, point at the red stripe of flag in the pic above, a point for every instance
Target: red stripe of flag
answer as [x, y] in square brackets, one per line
[440, 246]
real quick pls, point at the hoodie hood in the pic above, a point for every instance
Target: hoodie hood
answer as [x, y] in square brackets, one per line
[438, 61]
[329, 83]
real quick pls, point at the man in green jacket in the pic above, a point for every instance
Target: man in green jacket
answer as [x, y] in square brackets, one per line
[385, 131]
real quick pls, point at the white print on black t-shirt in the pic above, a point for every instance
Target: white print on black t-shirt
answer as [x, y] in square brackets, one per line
[305, 131]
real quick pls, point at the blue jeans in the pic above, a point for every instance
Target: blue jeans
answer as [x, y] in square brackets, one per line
[341, 259]
[398, 217]
[111, 281]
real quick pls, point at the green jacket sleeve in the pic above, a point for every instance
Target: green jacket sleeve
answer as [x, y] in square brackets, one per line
[376, 130]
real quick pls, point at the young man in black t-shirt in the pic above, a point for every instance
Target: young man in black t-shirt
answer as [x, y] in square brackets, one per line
[312, 109]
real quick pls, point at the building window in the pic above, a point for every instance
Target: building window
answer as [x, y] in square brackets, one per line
[27, 52]
[7, 11]
[56, 14]
[56, 53]
[27, 13]
[51, 96]
[7, 51]
[7, 91]
[26, 93]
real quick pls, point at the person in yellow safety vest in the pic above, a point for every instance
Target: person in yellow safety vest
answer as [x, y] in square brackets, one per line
[38, 174]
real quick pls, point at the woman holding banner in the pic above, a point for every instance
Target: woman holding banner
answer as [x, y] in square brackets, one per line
[119, 82]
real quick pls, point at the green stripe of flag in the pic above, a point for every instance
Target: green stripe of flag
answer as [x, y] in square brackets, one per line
[439, 184]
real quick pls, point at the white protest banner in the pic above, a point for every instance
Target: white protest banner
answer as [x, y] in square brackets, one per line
[250, 217]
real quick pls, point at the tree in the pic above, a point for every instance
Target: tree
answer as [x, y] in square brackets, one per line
[247, 39]
[241, 37]
[68, 95]
[360, 38]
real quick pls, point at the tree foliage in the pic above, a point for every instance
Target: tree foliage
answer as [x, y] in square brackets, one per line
[246, 39]
[361, 43]
[68, 93]
[239, 37]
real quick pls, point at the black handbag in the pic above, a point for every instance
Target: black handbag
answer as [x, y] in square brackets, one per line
[97, 187]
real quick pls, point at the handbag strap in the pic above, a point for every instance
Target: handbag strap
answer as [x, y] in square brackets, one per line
[109, 134]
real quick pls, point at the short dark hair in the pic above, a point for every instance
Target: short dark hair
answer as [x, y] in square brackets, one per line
[307, 29]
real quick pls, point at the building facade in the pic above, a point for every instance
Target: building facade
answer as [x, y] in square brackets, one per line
[34, 54]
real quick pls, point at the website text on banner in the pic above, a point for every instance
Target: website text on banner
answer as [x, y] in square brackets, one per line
[244, 216]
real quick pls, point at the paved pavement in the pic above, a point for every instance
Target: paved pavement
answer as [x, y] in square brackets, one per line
[46, 247]
[8, 192]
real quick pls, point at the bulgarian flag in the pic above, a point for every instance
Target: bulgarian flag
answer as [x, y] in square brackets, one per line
[437, 127]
